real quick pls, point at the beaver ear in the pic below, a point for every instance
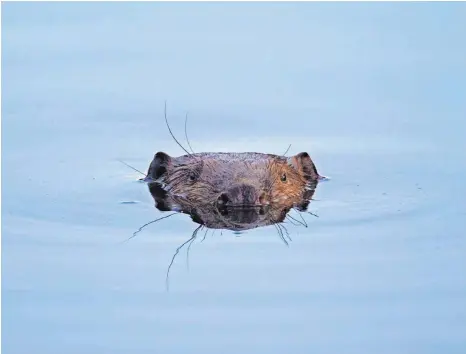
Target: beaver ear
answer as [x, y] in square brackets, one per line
[302, 163]
[159, 165]
[162, 158]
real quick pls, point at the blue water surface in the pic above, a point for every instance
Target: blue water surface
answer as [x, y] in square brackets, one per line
[374, 92]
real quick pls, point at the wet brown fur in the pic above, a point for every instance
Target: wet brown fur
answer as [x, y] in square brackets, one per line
[251, 178]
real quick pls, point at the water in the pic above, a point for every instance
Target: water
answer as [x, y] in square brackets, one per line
[375, 94]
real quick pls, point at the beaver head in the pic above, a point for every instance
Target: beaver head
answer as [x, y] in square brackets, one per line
[233, 179]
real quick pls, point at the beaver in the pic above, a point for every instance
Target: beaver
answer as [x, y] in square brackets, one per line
[233, 179]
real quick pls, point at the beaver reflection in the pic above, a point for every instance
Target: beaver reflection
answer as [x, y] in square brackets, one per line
[235, 218]
[221, 216]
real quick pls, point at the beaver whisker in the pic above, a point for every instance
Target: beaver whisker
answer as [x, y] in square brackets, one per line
[186, 132]
[302, 219]
[280, 233]
[299, 222]
[193, 236]
[282, 236]
[291, 222]
[290, 219]
[205, 234]
[213, 232]
[147, 224]
[286, 231]
[312, 214]
[289, 146]
[171, 133]
[133, 168]
[189, 247]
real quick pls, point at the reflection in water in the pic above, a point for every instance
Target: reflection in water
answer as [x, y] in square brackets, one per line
[234, 218]
[216, 216]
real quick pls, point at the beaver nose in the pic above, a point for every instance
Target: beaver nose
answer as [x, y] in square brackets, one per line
[240, 195]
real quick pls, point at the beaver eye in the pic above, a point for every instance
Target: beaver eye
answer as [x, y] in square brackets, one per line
[192, 176]
[283, 177]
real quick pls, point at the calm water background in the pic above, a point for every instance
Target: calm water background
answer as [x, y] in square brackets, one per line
[374, 92]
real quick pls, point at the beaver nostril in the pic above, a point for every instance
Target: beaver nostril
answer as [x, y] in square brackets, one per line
[223, 199]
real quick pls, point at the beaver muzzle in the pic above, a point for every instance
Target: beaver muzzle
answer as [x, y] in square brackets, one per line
[242, 195]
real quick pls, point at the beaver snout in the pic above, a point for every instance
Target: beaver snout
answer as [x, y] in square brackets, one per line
[241, 195]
